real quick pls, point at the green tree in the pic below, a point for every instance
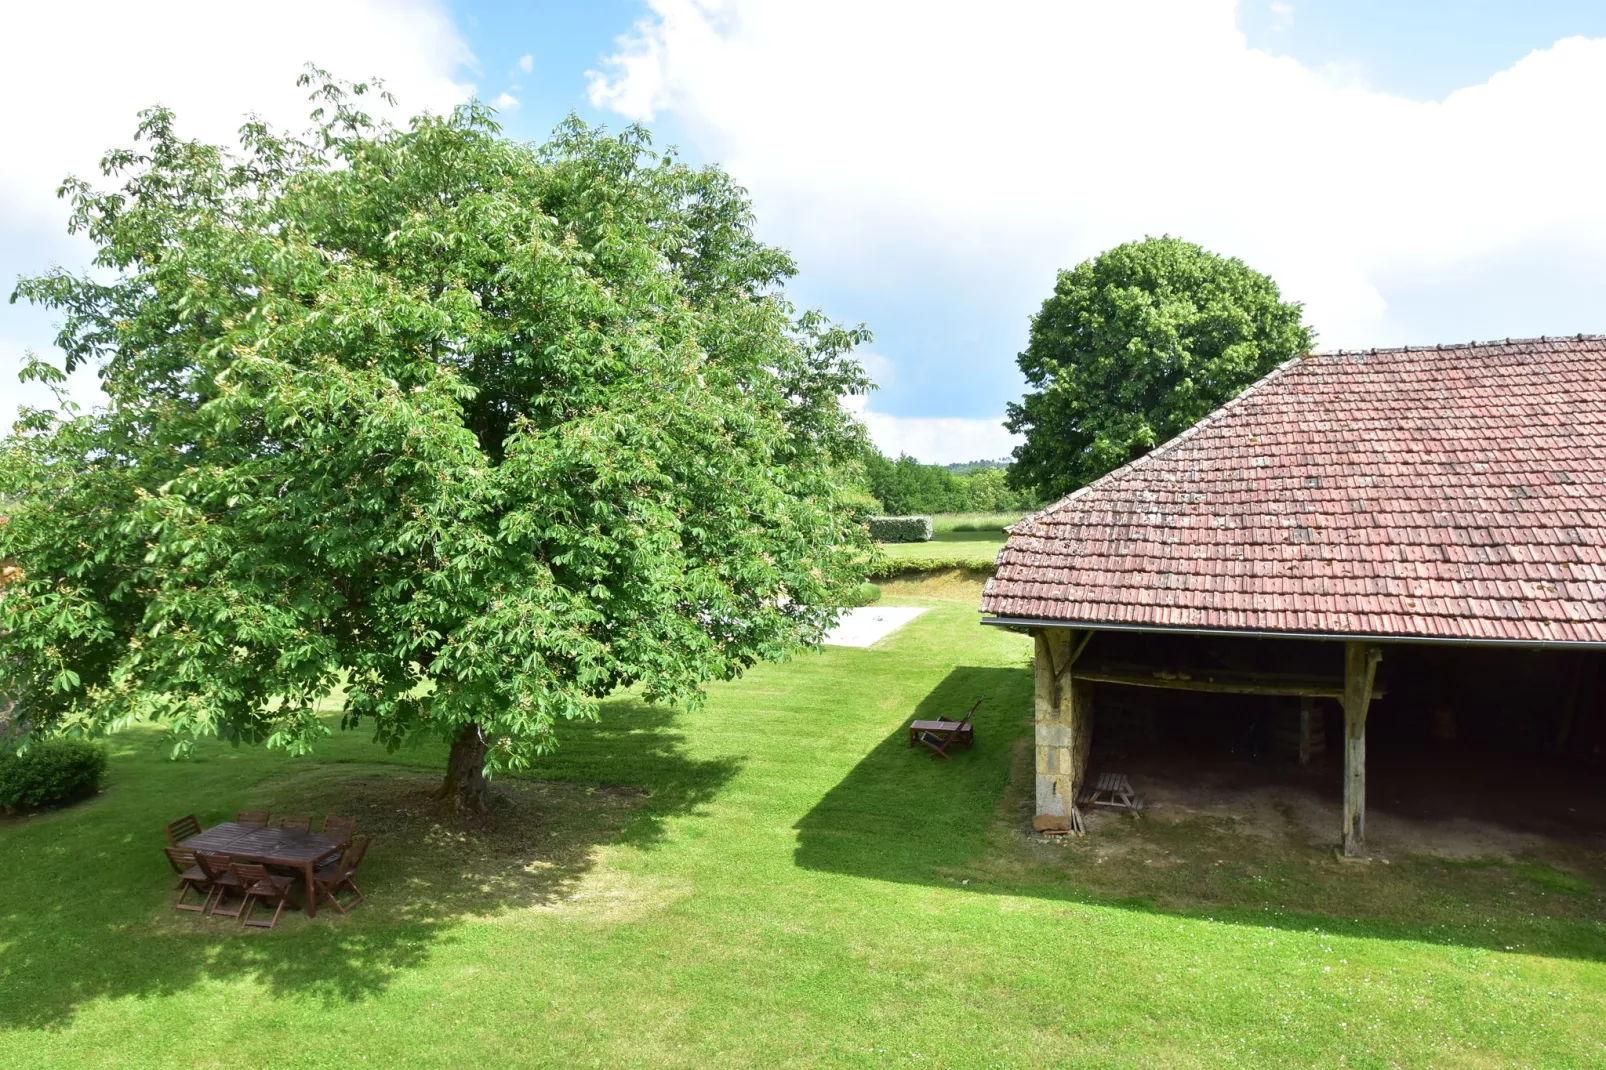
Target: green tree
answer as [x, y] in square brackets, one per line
[1134, 346]
[987, 491]
[468, 430]
[906, 486]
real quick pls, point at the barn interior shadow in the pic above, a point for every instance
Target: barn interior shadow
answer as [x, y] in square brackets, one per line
[965, 824]
[107, 930]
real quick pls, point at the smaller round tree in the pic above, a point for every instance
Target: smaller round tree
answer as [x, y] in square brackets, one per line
[1134, 346]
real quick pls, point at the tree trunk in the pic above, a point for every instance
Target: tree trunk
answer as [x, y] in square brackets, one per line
[465, 786]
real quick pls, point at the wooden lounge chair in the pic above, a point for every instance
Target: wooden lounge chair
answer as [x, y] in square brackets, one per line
[191, 878]
[183, 829]
[259, 818]
[342, 827]
[942, 733]
[260, 886]
[221, 877]
[336, 877]
[299, 822]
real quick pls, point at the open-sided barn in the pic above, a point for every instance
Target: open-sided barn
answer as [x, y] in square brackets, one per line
[1439, 512]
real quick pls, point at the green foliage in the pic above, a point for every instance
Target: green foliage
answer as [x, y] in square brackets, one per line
[1136, 345]
[860, 504]
[906, 486]
[867, 594]
[50, 772]
[475, 430]
[900, 528]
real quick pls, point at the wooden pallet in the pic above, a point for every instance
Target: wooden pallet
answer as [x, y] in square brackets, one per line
[1113, 791]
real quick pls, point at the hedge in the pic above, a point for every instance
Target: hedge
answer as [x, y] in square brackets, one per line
[51, 771]
[894, 567]
[900, 528]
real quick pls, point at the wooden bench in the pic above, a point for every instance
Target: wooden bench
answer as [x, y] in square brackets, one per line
[1113, 791]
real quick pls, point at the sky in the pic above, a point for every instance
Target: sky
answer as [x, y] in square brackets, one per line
[1414, 172]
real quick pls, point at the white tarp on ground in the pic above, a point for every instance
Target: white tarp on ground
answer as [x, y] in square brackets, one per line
[863, 626]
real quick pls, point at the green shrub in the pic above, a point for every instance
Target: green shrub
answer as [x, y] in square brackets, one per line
[900, 528]
[866, 594]
[894, 567]
[51, 771]
[860, 503]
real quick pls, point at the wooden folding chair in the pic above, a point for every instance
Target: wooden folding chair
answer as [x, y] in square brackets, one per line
[222, 879]
[342, 827]
[183, 829]
[259, 818]
[299, 822]
[942, 733]
[191, 878]
[336, 877]
[260, 886]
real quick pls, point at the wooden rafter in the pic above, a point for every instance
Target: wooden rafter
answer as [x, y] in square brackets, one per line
[1221, 681]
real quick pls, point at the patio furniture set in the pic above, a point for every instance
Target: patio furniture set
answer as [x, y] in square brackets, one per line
[257, 861]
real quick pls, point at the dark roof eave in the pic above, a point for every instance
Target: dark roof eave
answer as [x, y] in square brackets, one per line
[1252, 633]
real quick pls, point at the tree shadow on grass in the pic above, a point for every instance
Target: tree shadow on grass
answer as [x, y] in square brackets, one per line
[898, 816]
[85, 904]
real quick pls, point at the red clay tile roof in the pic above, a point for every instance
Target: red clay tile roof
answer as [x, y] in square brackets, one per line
[1454, 492]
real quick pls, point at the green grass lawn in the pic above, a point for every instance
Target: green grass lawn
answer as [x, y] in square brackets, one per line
[959, 540]
[777, 880]
[950, 547]
[961, 522]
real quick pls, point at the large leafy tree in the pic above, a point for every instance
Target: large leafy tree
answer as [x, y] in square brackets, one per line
[1134, 346]
[468, 431]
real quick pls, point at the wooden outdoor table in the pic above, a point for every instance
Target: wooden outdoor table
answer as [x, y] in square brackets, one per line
[289, 848]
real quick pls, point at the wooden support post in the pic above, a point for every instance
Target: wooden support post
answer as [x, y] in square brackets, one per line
[1569, 708]
[1064, 729]
[1306, 716]
[1360, 669]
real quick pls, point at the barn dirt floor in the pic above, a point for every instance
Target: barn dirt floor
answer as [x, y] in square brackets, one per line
[1470, 849]
[1454, 805]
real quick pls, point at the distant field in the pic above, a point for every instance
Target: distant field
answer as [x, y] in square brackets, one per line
[994, 522]
[959, 547]
[959, 539]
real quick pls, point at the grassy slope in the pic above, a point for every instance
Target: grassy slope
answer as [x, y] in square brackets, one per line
[793, 892]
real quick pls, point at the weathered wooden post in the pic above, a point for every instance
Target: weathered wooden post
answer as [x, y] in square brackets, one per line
[1360, 669]
[1307, 714]
[1064, 729]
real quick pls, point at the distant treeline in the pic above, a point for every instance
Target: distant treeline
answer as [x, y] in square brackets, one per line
[969, 468]
[906, 486]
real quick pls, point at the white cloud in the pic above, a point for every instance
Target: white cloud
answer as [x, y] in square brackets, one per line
[526, 63]
[73, 75]
[934, 439]
[997, 143]
[505, 102]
